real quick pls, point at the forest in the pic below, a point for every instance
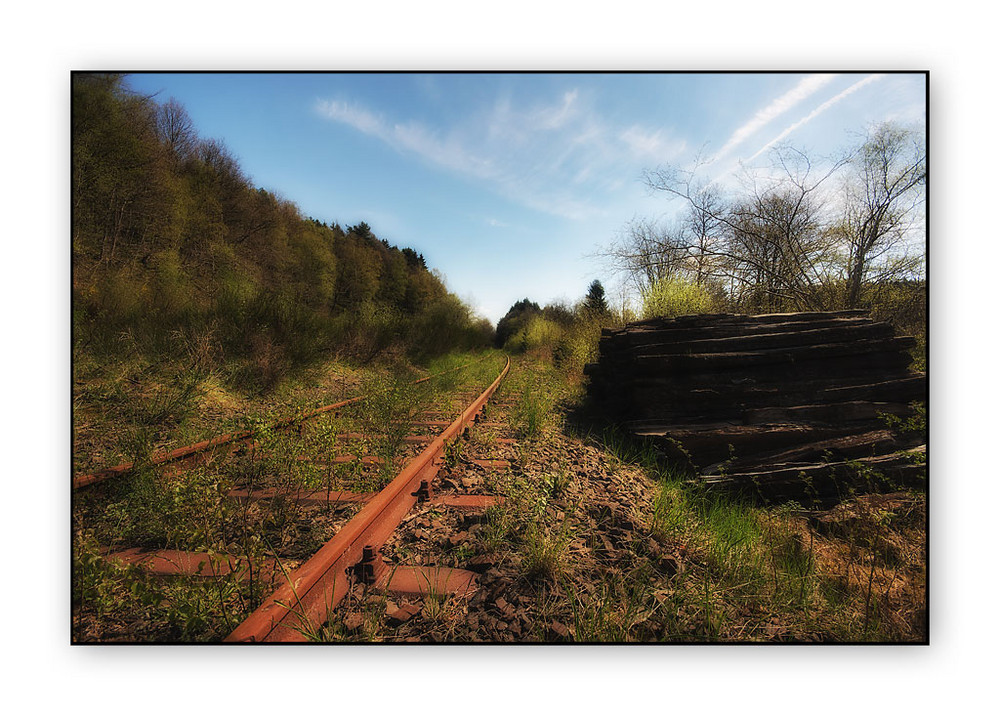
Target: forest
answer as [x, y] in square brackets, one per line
[175, 252]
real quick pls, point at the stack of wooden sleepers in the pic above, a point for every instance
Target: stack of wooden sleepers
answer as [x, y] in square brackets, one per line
[781, 406]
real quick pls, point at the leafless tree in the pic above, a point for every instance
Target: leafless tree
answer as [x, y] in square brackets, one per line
[704, 232]
[647, 251]
[883, 194]
[790, 238]
[175, 128]
[768, 246]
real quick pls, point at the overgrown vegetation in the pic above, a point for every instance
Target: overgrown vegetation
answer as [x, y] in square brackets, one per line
[670, 297]
[176, 252]
[193, 509]
[682, 563]
[566, 336]
[722, 569]
[204, 305]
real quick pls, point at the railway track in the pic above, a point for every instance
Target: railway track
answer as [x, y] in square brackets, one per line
[227, 441]
[309, 593]
[304, 596]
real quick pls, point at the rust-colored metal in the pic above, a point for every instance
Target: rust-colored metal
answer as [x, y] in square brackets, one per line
[371, 569]
[429, 581]
[344, 459]
[304, 497]
[456, 501]
[480, 422]
[425, 491]
[205, 445]
[467, 503]
[304, 601]
[174, 562]
[408, 439]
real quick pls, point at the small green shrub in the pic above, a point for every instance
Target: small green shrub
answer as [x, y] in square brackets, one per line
[675, 297]
[537, 334]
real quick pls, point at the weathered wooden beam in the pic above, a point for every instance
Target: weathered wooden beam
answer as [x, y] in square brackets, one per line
[770, 340]
[707, 362]
[850, 447]
[805, 482]
[632, 339]
[775, 395]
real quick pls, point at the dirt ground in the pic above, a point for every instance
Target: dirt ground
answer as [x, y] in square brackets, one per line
[587, 546]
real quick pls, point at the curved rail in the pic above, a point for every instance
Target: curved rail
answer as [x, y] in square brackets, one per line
[199, 447]
[315, 588]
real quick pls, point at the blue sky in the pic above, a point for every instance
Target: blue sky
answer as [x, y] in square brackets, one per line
[510, 183]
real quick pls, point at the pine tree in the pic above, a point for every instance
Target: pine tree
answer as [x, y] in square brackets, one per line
[595, 303]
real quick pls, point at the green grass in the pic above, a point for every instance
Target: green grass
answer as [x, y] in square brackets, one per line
[746, 565]
[742, 572]
[156, 507]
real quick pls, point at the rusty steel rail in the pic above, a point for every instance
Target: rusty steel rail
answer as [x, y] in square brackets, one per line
[199, 447]
[313, 590]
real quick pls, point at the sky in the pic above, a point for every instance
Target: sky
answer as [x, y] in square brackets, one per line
[510, 184]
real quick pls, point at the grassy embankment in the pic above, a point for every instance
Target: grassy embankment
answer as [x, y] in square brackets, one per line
[721, 568]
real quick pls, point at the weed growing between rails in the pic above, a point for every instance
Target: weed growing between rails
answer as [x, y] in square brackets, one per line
[189, 508]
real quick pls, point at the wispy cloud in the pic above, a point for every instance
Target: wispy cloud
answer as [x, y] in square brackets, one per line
[556, 117]
[647, 144]
[411, 137]
[550, 156]
[816, 112]
[355, 116]
[804, 89]
[725, 174]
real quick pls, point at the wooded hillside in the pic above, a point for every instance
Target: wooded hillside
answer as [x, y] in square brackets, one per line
[174, 248]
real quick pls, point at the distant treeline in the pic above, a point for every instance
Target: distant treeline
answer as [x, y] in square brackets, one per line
[172, 242]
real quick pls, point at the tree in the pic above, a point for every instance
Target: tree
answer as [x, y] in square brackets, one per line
[882, 196]
[363, 230]
[595, 304]
[119, 189]
[515, 318]
[175, 128]
[789, 239]
[704, 231]
[768, 245]
[559, 312]
[647, 252]
[413, 259]
[774, 251]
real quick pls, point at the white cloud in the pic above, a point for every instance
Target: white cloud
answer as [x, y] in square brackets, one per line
[816, 112]
[651, 145]
[357, 117]
[805, 88]
[725, 175]
[550, 157]
[549, 118]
